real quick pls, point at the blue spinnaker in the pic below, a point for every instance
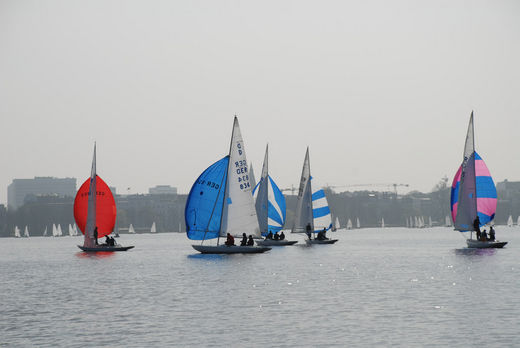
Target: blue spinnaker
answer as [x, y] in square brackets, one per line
[203, 210]
[276, 208]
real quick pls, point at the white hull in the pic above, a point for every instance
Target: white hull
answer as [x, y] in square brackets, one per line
[272, 242]
[473, 243]
[316, 241]
[224, 249]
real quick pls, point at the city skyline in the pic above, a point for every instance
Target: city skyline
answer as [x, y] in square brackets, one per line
[380, 92]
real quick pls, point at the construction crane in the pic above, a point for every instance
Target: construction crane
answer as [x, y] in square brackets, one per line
[367, 185]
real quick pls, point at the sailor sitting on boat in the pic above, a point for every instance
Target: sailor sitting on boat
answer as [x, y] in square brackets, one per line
[230, 241]
[276, 236]
[483, 236]
[282, 236]
[269, 235]
[243, 242]
[321, 235]
[250, 241]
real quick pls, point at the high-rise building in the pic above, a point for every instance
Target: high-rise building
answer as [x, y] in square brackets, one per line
[20, 189]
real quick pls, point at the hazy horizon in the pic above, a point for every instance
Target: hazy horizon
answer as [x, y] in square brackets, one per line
[381, 92]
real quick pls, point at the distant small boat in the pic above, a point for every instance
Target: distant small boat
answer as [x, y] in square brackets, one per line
[220, 202]
[358, 225]
[17, 232]
[473, 194]
[26, 232]
[447, 221]
[45, 232]
[153, 228]
[131, 229]
[349, 224]
[382, 222]
[95, 212]
[510, 221]
[59, 231]
[312, 209]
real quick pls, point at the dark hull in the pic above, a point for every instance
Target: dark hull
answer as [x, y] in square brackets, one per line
[316, 241]
[272, 242]
[105, 248]
[473, 243]
[224, 249]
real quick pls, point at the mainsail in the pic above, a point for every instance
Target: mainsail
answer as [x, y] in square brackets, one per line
[220, 200]
[473, 191]
[270, 202]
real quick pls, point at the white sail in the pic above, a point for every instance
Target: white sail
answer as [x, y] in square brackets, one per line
[510, 221]
[89, 240]
[382, 222]
[60, 232]
[71, 231]
[518, 221]
[131, 229]
[75, 228]
[349, 224]
[447, 221]
[45, 232]
[239, 215]
[336, 224]
[54, 230]
[17, 232]
[153, 228]
[303, 215]
[252, 179]
[26, 231]
[358, 225]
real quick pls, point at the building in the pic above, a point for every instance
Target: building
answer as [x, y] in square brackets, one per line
[20, 189]
[162, 190]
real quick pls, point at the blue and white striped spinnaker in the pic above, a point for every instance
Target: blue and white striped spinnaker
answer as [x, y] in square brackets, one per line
[270, 202]
[320, 211]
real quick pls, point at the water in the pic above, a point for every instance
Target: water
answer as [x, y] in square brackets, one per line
[386, 287]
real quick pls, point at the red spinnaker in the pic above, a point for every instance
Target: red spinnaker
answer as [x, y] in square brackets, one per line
[106, 210]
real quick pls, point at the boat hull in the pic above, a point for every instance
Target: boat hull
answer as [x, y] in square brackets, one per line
[317, 241]
[272, 242]
[224, 249]
[473, 243]
[104, 248]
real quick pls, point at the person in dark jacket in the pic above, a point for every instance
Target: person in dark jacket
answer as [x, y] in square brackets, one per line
[491, 234]
[250, 241]
[243, 242]
[95, 235]
[282, 236]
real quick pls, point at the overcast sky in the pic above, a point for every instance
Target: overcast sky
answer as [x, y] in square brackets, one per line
[381, 91]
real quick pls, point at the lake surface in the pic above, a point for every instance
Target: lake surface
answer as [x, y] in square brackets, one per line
[375, 287]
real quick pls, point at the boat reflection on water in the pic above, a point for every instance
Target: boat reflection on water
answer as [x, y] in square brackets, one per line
[95, 255]
[475, 251]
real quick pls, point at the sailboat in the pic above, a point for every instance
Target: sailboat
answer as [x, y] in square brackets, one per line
[59, 231]
[312, 210]
[153, 229]
[17, 232]
[54, 230]
[382, 222]
[71, 231]
[510, 221]
[95, 212]
[349, 224]
[473, 194]
[220, 202]
[447, 221]
[252, 179]
[131, 229]
[26, 232]
[337, 226]
[358, 225]
[45, 232]
[270, 207]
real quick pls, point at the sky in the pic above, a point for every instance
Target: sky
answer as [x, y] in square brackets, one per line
[380, 91]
